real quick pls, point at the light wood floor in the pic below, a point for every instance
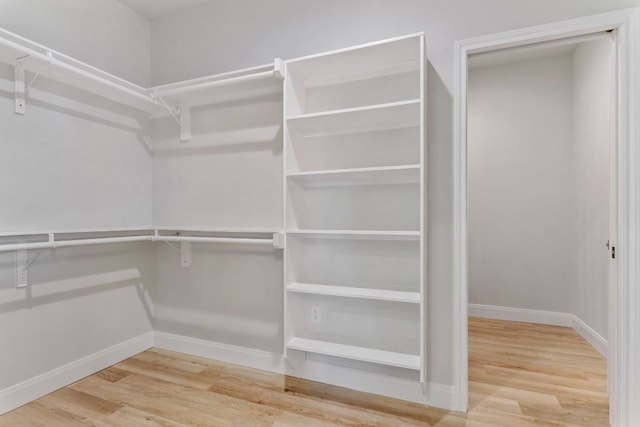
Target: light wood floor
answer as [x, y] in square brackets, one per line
[520, 375]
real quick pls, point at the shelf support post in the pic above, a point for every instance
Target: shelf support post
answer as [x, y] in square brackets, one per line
[185, 123]
[19, 88]
[22, 268]
[278, 241]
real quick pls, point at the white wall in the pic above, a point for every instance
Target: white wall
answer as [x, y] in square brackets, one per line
[102, 33]
[520, 184]
[591, 136]
[73, 161]
[229, 175]
[539, 134]
[221, 35]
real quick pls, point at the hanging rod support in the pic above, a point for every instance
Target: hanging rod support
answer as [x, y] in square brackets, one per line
[22, 89]
[173, 247]
[19, 88]
[42, 68]
[182, 116]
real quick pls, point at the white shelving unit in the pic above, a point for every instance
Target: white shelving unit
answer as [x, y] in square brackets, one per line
[355, 204]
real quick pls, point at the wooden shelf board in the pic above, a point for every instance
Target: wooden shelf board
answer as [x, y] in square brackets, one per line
[393, 115]
[356, 234]
[361, 176]
[354, 292]
[364, 354]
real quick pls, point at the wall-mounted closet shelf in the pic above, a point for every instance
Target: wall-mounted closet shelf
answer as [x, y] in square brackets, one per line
[409, 174]
[127, 235]
[65, 239]
[364, 354]
[48, 63]
[355, 292]
[175, 99]
[356, 234]
[392, 115]
[221, 230]
[236, 85]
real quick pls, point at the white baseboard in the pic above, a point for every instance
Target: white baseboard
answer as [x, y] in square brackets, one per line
[34, 388]
[521, 315]
[591, 336]
[544, 318]
[249, 357]
[436, 395]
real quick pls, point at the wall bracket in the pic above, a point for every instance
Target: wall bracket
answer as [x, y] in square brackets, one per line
[22, 89]
[185, 123]
[278, 68]
[22, 268]
[182, 116]
[185, 253]
[19, 88]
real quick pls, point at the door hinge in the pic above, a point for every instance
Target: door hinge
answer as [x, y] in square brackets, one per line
[613, 252]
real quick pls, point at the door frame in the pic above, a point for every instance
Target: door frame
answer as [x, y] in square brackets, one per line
[624, 306]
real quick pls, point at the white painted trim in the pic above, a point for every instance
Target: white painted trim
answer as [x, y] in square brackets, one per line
[521, 315]
[438, 395]
[252, 358]
[624, 348]
[543, 318]
[596, 340]
[36, 387]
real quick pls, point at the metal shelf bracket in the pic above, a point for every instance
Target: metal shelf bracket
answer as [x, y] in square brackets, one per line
[22, 89]
[182, 116]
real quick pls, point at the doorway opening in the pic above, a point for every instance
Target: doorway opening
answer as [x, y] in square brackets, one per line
[540, 179]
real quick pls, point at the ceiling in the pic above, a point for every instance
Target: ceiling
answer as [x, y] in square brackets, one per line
[154, 9]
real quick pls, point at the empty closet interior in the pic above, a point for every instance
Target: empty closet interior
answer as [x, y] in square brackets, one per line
[540, 138]
[272, 216]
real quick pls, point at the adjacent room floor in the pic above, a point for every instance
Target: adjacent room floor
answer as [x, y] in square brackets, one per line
[520, 374]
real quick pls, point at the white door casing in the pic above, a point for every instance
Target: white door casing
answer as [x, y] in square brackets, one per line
[624, 304]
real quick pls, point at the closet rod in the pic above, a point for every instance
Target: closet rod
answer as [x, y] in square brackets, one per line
[52, 244]
[212, 84]
[195, 239]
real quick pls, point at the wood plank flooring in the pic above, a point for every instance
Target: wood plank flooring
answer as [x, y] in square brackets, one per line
[520, 374]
